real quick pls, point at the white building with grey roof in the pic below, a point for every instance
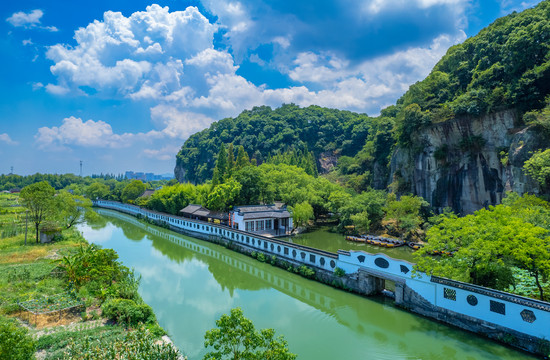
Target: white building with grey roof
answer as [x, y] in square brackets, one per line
[266, 220]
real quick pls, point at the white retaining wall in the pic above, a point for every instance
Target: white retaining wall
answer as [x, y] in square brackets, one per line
[518, 313]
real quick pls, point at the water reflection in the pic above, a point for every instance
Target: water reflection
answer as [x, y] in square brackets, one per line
[190, 283]
[324, 239]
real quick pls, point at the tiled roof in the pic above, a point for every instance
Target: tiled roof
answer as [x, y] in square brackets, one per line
[276, 211]
[257, 208]
[195, 210]
[267, 215]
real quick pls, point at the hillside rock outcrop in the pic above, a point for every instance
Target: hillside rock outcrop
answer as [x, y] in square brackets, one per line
[467, 163]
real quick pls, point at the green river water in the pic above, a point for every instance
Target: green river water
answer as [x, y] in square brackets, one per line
[190, 283]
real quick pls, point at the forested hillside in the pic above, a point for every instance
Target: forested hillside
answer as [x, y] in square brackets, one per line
[264, 132]
[479, 112]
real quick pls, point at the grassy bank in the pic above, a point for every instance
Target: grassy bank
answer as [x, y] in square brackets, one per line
[82, 303]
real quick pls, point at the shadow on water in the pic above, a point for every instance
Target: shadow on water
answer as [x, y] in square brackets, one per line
[190, 283]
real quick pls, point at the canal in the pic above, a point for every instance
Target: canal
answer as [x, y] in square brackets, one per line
[322, 238]
[190, 283]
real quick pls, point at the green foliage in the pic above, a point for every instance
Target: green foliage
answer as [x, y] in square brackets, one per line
[171, 199]
[372, 202]
[127, 312]
[339, 272]
[136, 345]
[97, 190]
[264, 132]
[540, 118]
[15, 342]
[538, 168]
[242, 159]
[236, 338]
[505, 66]
[361, 221]
[302, 159]
[302, 213]
[306, 271]
[223, 195]
[403, 216]
[488, 243]
[38, 198]
[70, 209]
[131, 191]
[99, 271]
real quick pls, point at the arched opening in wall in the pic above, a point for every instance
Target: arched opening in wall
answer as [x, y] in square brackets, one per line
[388, 288]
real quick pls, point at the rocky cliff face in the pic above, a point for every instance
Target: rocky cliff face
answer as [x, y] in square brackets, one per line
[179, 172]
[467, 163]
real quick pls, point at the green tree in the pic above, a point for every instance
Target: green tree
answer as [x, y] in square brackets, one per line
[253, 185]
[403, 215]
[131, 191]
[70, 209]
[236, 338]
[538, 168]
[230, 160]
[242, 158]
[222, 196]
[221, 164]
[97, 190]
[38, 198]
[15, 341]
[361, 221]
[302, 213]
[485, 246]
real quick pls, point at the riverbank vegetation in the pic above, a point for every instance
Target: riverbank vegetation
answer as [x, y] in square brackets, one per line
[235, 337]
[100, 308]
[505, 247]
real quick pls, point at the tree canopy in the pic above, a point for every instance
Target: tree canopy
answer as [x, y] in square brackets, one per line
[235, 337]
[38, 198]
[264, 133]
[483, 248]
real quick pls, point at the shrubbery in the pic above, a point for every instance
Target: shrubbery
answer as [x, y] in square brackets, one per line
[15, 343]
[125, 311]
[136, 345]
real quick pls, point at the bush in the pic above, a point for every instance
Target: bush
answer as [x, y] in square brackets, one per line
[137, 345]
[261, 257]
[306, 271]
[339, 272]
[125, 311]
[15, 343]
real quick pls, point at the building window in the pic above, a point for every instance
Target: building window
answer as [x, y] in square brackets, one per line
[268, 224]
[259, 225]
[449, 294]
[249, 226]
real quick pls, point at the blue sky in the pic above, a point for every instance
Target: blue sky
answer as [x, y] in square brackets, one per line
[121, 84]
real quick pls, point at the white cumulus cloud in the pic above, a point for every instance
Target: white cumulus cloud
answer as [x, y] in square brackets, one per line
[88, 133]
[169, 59]
[5, 138]
[29, 20]
[140, 56]
[22, 19]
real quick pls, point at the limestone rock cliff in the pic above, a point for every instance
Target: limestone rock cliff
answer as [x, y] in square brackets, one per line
[467, 163]
[179, 172]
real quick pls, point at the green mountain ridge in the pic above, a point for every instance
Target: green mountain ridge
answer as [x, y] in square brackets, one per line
[468, 127]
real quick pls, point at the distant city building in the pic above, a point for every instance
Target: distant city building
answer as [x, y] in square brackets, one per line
[147, 176]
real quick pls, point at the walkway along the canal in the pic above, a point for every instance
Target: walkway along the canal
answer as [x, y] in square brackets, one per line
[515, 320]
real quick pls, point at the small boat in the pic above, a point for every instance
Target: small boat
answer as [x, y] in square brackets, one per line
[376, 240]
[415, 246]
